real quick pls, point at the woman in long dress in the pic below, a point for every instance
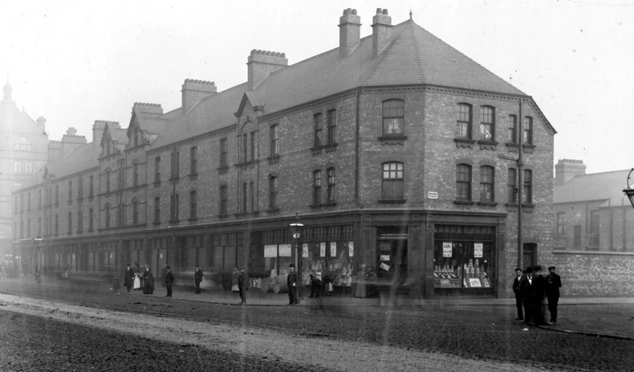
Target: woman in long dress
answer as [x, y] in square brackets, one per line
[149, 281]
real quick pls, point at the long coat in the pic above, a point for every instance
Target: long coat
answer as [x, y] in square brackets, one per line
[553, 283]
[198, 276]
[149, 282]
[128, 278]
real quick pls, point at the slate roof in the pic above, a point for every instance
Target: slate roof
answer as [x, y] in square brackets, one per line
[606, 186]
[414, 56]
[82, 158]
[154, 122]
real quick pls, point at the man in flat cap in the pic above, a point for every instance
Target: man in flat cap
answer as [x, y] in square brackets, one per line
[291, 280]
[169, 280]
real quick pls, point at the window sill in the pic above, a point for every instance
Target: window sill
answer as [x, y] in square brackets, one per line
[223, 170]
[174, 179]
[463, 202]
[528, 148]
[156, 223]
[488, 145]
[512, 147]
[464, 143]
[329, 204]
[315, 206]
[222, 216]
[70, 202]
[273, 210]
[157, 183]
[91, 198]
[316, 150]
[193, 176]
[392, 140]
[274, 159]
[173, 222]
[489, 204]
[194, 219]
[330, 147]
[392, 201]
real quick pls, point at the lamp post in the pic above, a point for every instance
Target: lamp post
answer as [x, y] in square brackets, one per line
[296, 233]
[38, 243]
[629, 191]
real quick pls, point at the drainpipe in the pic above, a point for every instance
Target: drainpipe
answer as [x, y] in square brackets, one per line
[520, 188]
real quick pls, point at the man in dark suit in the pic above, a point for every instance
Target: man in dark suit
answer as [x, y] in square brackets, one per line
[553, 283]
[518, 293]
[291, 281]
[169, 280]
[198, 277]
[128, 278]
[526, 290]
[243, 286]
[539, 294]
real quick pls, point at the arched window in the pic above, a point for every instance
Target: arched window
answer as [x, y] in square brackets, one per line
[332, 126]
[22, 144]
[512, 128]
[393, 117]
[487, 176]
[392, 187]
[528, 130]
[463, 182]
[275, 140]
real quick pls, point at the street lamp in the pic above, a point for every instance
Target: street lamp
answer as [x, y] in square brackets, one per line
[296, 233]
[629, 191]
[38, 242]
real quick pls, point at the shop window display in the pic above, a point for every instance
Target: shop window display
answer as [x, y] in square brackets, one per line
[464, 257]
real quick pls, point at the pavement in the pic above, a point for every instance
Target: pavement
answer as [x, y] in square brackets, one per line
[609, 317]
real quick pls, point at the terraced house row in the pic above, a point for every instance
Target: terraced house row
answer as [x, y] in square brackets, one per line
[392, 150]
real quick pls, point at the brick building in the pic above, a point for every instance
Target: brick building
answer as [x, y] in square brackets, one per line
[391, 149]
[593, 235]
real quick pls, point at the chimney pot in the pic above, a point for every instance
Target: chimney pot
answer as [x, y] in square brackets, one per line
[261, 64]
[349, 32]
[381, 31]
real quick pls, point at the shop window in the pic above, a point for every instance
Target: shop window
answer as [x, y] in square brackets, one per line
[393, 117]
[487, 123]
[576, 241]
[463, 182]
[464, 258]
[392, 186]
[487, 177]
[463, 124]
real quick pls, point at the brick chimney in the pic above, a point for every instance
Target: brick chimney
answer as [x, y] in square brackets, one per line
[71, 141]
[148, 108]
[349, 32]
[262, 63]
[195, 90]
[567, 169]
[381, 31]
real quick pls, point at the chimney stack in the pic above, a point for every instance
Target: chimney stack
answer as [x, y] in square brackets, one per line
[71, 141]
[349, 32]
[381, 31]
[97, 130]
[567, 169]
[262, 63]
[194, 91]
[41, 121]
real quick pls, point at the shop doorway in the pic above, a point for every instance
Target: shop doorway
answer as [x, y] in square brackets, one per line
[392, 254]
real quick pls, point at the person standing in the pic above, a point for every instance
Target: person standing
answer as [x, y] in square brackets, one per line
[518, 293]
[128, 278]
[148, 280]
[291, 281]
[527, 291]
[198, 277]
[243, 286]
[169, 280]
[553, 283]
[360, 291]
[539, 295]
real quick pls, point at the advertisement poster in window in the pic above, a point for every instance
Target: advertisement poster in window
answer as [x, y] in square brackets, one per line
[477, 250]
[285, 250]
[446, 249]
[270, 250]
[305, 250]
[322, 249]
[333, 249]
[351, 249]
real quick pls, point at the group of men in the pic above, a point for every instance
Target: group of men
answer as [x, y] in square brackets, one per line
[531, 287]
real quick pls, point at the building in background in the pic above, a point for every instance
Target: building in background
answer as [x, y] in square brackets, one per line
[23, 149]
[593, 231]
[390, 149]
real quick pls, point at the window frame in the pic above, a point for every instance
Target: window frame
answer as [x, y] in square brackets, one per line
[273, 193]
[193, 160]
[487, 122]
[512, 186]
[223, 201]
[390, 116]
[464, 175]
[274, 140]
[560, 223]
[487, 183]
[317, 187]
[331, 120]
[527, 131]
[331, 187]
[464, 120]
[527, 192]
[511, 124]
[193, 205]
[317, 129]
[390, 179]
[157, 210]
[135, 212]
[224, 151]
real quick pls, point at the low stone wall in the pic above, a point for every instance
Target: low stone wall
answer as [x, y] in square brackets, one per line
[595, 274]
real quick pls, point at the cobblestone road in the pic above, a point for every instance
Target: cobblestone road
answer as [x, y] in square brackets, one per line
[477, 334]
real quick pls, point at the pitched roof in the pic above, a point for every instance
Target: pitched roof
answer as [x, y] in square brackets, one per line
[414, 56]
[82, 158]
[606, 186]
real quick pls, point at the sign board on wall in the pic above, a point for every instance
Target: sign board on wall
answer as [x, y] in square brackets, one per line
[322, 249]
[270, 250]
[433, 195]
[351, 249]
[285, 250]
[333, 249]
[477, 250]
[446, 249]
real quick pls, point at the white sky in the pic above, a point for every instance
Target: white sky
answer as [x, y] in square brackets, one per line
[75, 62]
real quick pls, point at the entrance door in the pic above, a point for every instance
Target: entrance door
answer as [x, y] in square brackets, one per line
[528, 252]
[392, 255]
